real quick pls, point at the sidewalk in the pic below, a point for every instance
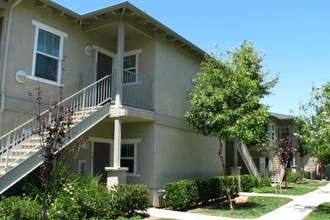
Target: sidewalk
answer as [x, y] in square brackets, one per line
[297, 209]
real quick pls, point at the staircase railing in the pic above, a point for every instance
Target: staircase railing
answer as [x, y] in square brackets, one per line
[23, 137]
[248, 160]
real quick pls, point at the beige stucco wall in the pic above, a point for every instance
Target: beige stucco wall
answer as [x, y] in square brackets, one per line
[174, 71]
[182, 154]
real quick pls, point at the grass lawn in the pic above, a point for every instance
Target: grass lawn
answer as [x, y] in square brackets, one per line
[253, 207]
[299, 188]
[321, 212]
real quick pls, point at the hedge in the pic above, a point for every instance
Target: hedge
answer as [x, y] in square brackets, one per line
[193, 191]
[15, 207]
[249, 182]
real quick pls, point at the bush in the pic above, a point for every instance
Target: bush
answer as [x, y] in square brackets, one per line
[291, 176]
[306, 174]
[264, 182]
[81, 198]
[127, 198]
[181, 193]
[189, 192]
[248, 182]
[15, 207]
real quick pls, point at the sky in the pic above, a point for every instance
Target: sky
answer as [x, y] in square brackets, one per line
[294, 36]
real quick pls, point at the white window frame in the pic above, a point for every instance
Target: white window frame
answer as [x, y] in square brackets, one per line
[283, 127]
[136, 53]
[57, 32]
[272, 131]
[135, 142]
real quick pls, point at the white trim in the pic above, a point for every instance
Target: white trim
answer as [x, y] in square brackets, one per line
[134, 141]
[80, 162]
[106, 52]
[57, 32]
[100, 140]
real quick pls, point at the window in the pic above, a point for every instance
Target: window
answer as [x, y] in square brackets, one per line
[284, 131]
[82, 167]
[48, 52]
[272, 133]
[129, 155]
[131, 66]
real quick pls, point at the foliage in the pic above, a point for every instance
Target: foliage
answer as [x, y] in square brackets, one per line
[286, 147]
[292, 177]
[81, 198]
[127, 198]
[248, 182]
[192, 191]
[321, 212]
[313, 123]
[15, 207]
[225, 101]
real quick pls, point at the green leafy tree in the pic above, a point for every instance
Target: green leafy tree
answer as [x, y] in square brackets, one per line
[225, 101]
[313, 124]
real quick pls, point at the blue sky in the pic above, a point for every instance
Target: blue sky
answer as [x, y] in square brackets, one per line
[294, 35]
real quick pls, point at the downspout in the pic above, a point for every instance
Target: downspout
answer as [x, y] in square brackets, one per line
[5, 55]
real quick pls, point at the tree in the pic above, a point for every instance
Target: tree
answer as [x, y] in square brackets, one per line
[313, 124]
[225, 100]
[52, 131]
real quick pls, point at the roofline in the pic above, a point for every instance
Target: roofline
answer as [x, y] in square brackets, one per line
[125, 5]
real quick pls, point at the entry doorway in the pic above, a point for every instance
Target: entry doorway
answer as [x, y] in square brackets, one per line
[101, 158]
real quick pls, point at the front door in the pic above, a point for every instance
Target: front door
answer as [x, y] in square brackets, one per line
[103, 68]
[101, 159]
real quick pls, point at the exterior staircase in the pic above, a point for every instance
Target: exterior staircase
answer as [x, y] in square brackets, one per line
[19, 148]
[277, 171]
[248, 160]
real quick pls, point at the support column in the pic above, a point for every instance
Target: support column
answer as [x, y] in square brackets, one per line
[117, 174]
[236, 143]
[262, 165]
[117, 143]
[120, 63]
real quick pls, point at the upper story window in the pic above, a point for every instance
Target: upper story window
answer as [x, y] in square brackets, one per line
[48, 53]
[284, 131]
[272, 133]
[131, 66]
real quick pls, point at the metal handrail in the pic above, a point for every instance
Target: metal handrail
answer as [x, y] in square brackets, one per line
[23, 139]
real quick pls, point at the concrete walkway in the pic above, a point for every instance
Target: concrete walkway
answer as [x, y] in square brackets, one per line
[297, 209]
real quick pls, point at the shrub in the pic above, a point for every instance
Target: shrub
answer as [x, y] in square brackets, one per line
[248, 182]
[181, 193]
[81, 198]
[189, 192]
[127, 198]
[291, 176]
[264, 182]
[15, 207]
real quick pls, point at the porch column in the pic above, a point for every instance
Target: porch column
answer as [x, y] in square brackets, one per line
[236, 143]
[119, 91]
[117, 143]
[120, 63]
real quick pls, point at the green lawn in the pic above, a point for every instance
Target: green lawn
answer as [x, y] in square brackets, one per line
[299, 188]
[254, 207]
[321, 212]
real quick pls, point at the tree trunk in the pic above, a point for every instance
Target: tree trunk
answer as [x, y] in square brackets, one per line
[227, 187]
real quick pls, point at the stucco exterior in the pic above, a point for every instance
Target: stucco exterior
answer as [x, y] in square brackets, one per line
[166, 148]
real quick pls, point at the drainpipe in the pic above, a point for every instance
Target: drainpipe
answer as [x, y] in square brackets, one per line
[5, 54]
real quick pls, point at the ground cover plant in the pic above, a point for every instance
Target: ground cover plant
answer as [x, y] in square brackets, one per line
[321, 212]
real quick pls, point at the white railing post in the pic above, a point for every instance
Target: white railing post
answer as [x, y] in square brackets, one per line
[7, 152]
[83, 103]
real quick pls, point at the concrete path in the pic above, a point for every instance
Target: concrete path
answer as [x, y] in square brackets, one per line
[297, 209]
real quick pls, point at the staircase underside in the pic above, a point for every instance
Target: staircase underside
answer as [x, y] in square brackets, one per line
[16, 173]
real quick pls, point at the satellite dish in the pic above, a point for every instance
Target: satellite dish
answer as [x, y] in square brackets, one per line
[21, 76]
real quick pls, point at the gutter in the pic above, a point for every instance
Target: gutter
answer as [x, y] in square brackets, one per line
[5, 55]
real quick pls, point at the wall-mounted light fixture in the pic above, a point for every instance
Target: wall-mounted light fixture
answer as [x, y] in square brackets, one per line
[21, 76]
[89, 50]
